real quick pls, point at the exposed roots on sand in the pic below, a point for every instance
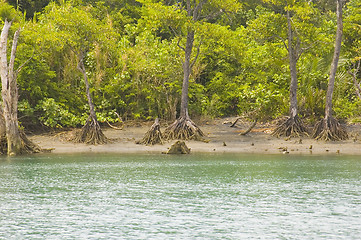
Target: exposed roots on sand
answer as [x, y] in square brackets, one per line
[153, 135]
[291, 127]
[27, 146]
[91, 133]
[185, 129]
[329, 129]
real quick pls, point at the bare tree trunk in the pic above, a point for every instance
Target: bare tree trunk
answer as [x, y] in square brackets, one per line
[186, 73]
[184, 128]
[81, 68]
[292, 126]
[354, 78]
[336, 56]
[9, 91]
[329, 128]
[293, 69]
[91, 132]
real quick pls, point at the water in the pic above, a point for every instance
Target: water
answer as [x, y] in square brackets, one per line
[180, 197]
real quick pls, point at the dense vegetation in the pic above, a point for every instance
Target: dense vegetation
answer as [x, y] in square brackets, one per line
[132, 53]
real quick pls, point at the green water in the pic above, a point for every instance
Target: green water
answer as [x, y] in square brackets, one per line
[198, 196]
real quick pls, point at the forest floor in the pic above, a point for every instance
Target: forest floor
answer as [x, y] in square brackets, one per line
[221, 138]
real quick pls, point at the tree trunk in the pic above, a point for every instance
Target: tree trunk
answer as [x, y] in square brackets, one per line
[81, 68]
[357, 86]
[91, 132]
[336, 56]
[186, 73]
[293, 69]
[9, 91]
[292, 126]
[329, 129]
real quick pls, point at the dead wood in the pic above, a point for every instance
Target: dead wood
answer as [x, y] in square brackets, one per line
[291, 127]
[249, 128]
[329, 129]
[235, 122]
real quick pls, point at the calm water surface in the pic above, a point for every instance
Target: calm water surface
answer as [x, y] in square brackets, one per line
[180, 197]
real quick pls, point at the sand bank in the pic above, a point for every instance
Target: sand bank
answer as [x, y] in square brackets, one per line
[222, 139]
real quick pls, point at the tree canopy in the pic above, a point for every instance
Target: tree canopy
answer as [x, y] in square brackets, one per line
[133, 55]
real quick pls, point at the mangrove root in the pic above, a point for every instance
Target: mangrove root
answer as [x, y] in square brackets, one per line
[179, 147]
[291, 127]
[185, 129]
[120, 122]
[91, 133]
[153, 136]
[329, 129]
[27, 146]
[249, 129]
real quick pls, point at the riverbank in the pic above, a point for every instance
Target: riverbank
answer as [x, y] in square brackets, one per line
[222, 139]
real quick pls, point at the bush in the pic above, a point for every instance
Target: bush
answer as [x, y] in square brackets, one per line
[55, 115]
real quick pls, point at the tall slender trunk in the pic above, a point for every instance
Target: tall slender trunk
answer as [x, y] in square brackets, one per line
[336, 56]
[9, 91]
[81, 67]
[186, 72]
[293, 69]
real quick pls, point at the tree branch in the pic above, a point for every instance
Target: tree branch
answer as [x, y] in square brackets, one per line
[24, 63]
[195, 59]
[180, 45]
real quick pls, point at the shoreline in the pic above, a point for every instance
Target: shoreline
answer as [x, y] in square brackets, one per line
[222, 139]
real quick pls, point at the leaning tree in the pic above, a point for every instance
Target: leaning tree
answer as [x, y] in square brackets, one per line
[75, 30]
[329, 128]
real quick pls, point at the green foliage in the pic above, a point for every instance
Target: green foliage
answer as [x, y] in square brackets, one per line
[7, 12]
[134, 62]
[56, 115]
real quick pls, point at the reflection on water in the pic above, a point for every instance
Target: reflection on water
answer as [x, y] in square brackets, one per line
[180, 197]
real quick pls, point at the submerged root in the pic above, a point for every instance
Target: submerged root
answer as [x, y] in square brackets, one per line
[329, 129]
[185, 129]
[291, 127]
[91, 133]
[153, 136]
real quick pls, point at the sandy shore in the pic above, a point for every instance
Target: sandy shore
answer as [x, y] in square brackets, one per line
[222, 139]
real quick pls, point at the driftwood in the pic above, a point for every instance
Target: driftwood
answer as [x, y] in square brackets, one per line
[249, 129]
[179, 147]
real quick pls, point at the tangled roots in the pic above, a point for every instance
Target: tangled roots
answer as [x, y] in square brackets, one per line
[91, 133]
[185, 129]
[291, 127]
[329, 129]
[153, 136]
[27, 146]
